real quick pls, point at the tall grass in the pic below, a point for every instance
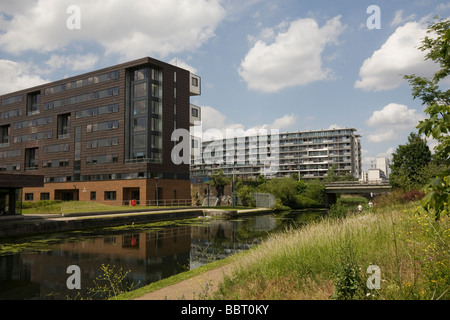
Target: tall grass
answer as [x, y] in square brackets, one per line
[308, 263]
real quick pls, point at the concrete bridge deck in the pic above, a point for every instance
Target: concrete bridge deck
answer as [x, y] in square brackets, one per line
[353, 187]
[357, 187]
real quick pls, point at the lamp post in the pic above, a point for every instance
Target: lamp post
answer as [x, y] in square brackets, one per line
[157, 196]
[232, 189]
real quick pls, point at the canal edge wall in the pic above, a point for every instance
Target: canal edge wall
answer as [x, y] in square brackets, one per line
[26, 226]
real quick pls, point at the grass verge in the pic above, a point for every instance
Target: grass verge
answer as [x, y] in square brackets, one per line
[329, 260]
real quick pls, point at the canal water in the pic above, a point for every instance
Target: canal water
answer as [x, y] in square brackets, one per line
[37, 267]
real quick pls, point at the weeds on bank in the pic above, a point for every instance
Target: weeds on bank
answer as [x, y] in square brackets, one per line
[109, 284]
[329, 259]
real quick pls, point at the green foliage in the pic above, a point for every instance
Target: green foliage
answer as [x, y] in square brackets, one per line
[437, 125]
[351, 201]
[407, 163]
[332, 175]
[110, 283]
[40, 204]
[348, 282]
[219, 181]
[337, 211]
[295, 194]
[245, 194]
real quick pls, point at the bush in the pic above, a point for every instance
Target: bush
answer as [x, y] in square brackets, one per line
[245, 194]
[351, 201]
[40, 204]
[412, 195]
[337, 211]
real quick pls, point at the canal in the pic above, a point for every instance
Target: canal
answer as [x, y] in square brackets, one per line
[36, 267]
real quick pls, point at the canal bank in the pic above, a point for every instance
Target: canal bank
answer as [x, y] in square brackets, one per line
[31, 224]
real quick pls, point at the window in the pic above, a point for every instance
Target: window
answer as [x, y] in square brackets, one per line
[93, 195]
[10, 100]
[194, 82]
[140, 74]
[45, 196]
[110, 195]
[33, 103]
[31, 159]
[28, 197]
[194, 112]
[140, 90]
[64, 126]
[4, 135]
[139, 107]
[109, 158]
[139, 124]
[102, 126]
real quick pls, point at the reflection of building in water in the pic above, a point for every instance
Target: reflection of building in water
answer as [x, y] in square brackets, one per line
[224, 238]
[151, 256]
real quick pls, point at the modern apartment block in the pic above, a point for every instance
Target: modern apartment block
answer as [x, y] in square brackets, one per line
[307, 153]
[101, 136]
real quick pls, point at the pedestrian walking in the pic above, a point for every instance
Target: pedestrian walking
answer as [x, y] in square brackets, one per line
[360, 208]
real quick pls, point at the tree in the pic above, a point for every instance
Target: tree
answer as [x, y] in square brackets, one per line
[408, 161]
[219, 181]
[437, 125]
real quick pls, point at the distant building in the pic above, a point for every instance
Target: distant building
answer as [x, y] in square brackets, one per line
[376, 175]
[101, 136]
[383, 165]
[379, 170]
[307, 153]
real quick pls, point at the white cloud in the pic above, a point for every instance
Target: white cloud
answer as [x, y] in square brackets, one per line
[131, 29]
[399, 19]
[393, 121]
[394, 114]
[398, 56]
[443, 6]
[293, 58]
[381, 136]
[181, 64]
[73, 62]
[16, 76]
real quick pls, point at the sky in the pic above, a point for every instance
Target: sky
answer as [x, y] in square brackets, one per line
[290, 65]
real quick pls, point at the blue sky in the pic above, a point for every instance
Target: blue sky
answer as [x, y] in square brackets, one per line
[287, 64]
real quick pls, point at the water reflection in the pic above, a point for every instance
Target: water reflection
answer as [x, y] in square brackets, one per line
[151, 253]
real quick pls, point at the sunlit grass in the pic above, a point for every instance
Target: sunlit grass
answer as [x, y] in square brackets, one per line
[302, 263]
[82, 207]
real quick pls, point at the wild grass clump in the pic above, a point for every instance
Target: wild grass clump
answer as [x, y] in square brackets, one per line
[329, 259]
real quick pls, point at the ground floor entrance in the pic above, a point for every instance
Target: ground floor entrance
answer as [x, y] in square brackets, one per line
[11, 191]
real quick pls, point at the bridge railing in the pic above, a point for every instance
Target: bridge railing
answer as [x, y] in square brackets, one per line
[357, 183]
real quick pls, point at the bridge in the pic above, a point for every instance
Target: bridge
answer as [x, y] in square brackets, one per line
[354, 187]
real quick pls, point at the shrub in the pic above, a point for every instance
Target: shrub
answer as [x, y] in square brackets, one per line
[351, 201]
[412, 195]
[337, 211]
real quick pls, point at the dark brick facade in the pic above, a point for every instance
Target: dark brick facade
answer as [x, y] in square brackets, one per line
[78, 133]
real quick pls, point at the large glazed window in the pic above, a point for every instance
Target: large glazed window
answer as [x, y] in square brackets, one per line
[144, 113]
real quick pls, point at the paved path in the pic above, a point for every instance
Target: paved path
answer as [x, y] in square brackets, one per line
[193, 288]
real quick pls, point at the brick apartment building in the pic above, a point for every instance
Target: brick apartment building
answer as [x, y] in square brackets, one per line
[101, 136]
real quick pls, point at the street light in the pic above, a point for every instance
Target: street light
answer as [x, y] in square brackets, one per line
[157, 196]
